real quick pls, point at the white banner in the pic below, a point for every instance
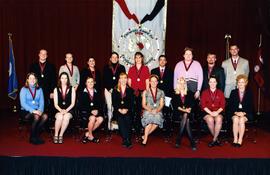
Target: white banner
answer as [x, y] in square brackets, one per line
[139, 25]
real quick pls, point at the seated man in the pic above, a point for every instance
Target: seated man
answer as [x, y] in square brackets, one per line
[212, 104]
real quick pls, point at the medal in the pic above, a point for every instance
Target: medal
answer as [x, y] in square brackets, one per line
[90, 97]
[138, 73]
[64, 103]
[42, 76]
[161, 81]
[213, 96]
[234, 72]
[114, 71]
[64, 94]
[33, 94]
[123, 94]
[138, 79]
[91, 104]
[213, 105]
[42, 67]
[184, 107]
[122, 102]
[113, 78]
[240, 106]
[154, 96]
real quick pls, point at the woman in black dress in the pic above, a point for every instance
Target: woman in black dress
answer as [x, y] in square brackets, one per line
[64, 101]
[89, 102]
[183, 102]
[123, 101]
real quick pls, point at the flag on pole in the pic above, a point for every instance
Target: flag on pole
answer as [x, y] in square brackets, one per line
[258, 69]
[12, 80]
[139, 26]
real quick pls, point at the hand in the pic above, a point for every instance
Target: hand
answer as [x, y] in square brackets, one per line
[110, 90]
[94, 112]
[214, 113]
[51, 95]
[124, 111]
[197, 94]
[76, 87]
[63, 112]
[154, 111]
[188, 110]
[37, 112]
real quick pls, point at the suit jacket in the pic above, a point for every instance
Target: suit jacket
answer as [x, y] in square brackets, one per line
[167, 85]
[247, 103]
[218, 72]
[85, 73]
[242, 68]
[48, 81]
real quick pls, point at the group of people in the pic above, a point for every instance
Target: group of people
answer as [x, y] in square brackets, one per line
[140, 98]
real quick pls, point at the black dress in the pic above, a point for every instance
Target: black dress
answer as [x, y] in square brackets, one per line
[65, 103]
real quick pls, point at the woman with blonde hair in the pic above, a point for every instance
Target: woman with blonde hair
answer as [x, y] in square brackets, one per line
[123, 101]
[240, 107]
[183, 102]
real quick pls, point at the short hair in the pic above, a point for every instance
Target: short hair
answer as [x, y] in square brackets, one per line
[210, 53]
[162, 56]
[188, 49]
[242, 76]
[153, 76]
[91, 57]
[115, 53]
[234, 44]
[118, 85]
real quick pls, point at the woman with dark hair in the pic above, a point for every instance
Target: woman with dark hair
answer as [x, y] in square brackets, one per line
[64, 101]
[152, 103]
[213, 104]
[138, 80]
[90, 103]
[92, 72]
[111, 74]
[32, 107]
[240, 107]
[123, 97]
[183, 103]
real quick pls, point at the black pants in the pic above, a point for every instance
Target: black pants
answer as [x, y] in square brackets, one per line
[138, 113]
[124, 123]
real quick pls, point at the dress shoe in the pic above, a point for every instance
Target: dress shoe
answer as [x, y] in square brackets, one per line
[212, 144]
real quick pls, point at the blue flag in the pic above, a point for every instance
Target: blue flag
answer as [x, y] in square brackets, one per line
[12, 80]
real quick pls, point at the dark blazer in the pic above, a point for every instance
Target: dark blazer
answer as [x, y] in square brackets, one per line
[48, 81]
[108, 81]
[167, 85]
[84, 102]
[218, 72]
[247, 103]
[85, 73]
[128, 101]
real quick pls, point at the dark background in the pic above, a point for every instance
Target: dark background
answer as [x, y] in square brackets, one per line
[83, 27]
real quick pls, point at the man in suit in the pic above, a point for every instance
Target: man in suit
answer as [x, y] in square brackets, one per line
[233, 67]
[46, 75]
[211, 69]
[165, 76]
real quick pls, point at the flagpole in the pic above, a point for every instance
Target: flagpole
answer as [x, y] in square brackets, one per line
[227, 37]
[259, 89]
[14, 108]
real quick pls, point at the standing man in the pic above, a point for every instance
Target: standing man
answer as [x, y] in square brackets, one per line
[165, 75]
[46, 75]
[191, 70]
[213, 70]
[233, 67]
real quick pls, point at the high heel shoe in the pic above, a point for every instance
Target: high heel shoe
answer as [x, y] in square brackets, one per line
[55, 139]
[60, 139]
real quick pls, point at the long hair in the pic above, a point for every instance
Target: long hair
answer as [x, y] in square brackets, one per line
[139, 54]
[177, 89]
[119, 84]
[59, 84]
[27, 77]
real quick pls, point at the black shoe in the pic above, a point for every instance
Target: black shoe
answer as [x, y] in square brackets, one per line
[212, 144]
[238, 145]
[129, 144]
[193, 146]
[177, 145]
[143, 144]
[85, 140]
[218, 143]
[34, 141]
[234, 144]
[40, 141]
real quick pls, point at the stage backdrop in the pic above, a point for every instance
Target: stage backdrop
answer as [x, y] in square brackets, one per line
[84, 28]
[139, 26]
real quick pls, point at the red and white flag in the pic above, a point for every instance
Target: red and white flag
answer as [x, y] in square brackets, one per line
[258, 69]
[139, 26]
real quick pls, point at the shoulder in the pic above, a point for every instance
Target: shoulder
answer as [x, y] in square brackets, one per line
[154, 70]
[197, 63]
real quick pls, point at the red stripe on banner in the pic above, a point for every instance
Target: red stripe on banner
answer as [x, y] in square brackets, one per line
[126, 11]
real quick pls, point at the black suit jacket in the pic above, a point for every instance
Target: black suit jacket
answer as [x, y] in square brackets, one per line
[85, 73]
[247, 103]
[218, 72]
[48, 81]
[167, 85]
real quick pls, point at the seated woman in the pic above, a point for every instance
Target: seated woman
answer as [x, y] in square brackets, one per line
[240, 107]
[123, 101]
[183, 102]
[32, 107]
[213, 104]
[89, 101]
[64, 101]
[152, 103]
